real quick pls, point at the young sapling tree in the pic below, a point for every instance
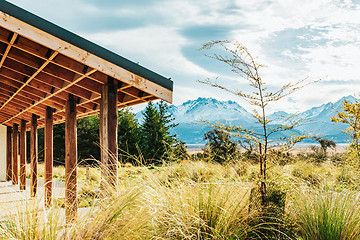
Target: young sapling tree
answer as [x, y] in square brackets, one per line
[246, 67]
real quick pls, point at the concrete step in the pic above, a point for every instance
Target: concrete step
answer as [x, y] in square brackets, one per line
[13, 200]
[16, 208]
[10, 189]
[13, 197]
[5, 184]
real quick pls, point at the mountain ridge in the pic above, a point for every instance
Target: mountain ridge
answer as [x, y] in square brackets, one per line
[191, 130]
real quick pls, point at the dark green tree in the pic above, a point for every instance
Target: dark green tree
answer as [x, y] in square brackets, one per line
[41, 137]
[325, 144]
[179, 151]
[88, 139]
[152, 138]
[59, 144]
[156, 141]
[222, 148]
[128, 136]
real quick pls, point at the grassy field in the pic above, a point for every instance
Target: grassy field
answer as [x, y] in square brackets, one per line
[309, 198]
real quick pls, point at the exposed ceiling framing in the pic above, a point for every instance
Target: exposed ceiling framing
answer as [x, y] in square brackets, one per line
[38, 70]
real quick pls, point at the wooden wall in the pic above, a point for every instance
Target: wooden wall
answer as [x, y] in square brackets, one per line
[3, 130]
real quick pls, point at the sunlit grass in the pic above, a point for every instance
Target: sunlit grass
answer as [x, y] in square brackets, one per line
[327, 214]
[198, 200]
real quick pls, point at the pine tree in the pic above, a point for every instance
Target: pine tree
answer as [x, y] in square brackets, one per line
[156, 141]
[87, 140]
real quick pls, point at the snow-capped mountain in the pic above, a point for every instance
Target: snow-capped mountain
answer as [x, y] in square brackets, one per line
[191, 130]
[320, 123]
[210, 109]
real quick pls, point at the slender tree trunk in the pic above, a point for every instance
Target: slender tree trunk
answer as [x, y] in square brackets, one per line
[263, 154]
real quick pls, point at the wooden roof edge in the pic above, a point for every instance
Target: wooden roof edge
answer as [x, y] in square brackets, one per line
[65, 42]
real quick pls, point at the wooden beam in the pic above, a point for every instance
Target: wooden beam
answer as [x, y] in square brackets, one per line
[64, 87]
[23, 155]
[108, 133]
[8, 154]
[93, 98]
[56, 73]
[49, 120]
[15, 138]
[53, 55]
[13, 38]
[33, 155]
[70, 160]
[80, 55]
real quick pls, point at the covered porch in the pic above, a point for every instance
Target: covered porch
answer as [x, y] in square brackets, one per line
[49, 75]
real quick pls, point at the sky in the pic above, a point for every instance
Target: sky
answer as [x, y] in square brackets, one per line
[295, 39]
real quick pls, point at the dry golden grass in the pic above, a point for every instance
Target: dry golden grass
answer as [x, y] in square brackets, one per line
[195, 200]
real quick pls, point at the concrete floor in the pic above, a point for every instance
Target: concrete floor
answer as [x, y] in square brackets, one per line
[12, 200]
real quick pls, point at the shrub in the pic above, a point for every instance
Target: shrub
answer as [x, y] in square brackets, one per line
[220, 145]
[317, 155]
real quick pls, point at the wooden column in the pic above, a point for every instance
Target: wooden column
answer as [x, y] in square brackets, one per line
[23, 155]
[70, 160]
[33, 155]
[108, 132]
[8, 154]
[15, 170]
[48, 155]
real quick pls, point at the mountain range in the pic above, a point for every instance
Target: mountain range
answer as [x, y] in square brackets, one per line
[191, 130]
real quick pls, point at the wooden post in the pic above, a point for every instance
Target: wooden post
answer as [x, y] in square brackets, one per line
[108, 132]
[48, 155]
[15, 171]
[23, 155]
[33, 155]
[8, 154]
[70, 160]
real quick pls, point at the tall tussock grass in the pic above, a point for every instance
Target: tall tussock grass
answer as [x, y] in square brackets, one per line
[202, 211]
[119, 216]
[197, 200]
[326, 214]
[146, 208]
[32, 221]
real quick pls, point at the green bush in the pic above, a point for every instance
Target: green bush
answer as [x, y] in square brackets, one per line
[221, 146]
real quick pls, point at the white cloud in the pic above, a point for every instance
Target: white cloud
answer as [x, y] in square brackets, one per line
[158, 45]
[158, 48]
[335, 52]
[338, 62]
[189, 12]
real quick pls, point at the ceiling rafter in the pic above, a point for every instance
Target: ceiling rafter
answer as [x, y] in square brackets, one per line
[93, 99]
[11, 43]
[64, 87]
[53, 55]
